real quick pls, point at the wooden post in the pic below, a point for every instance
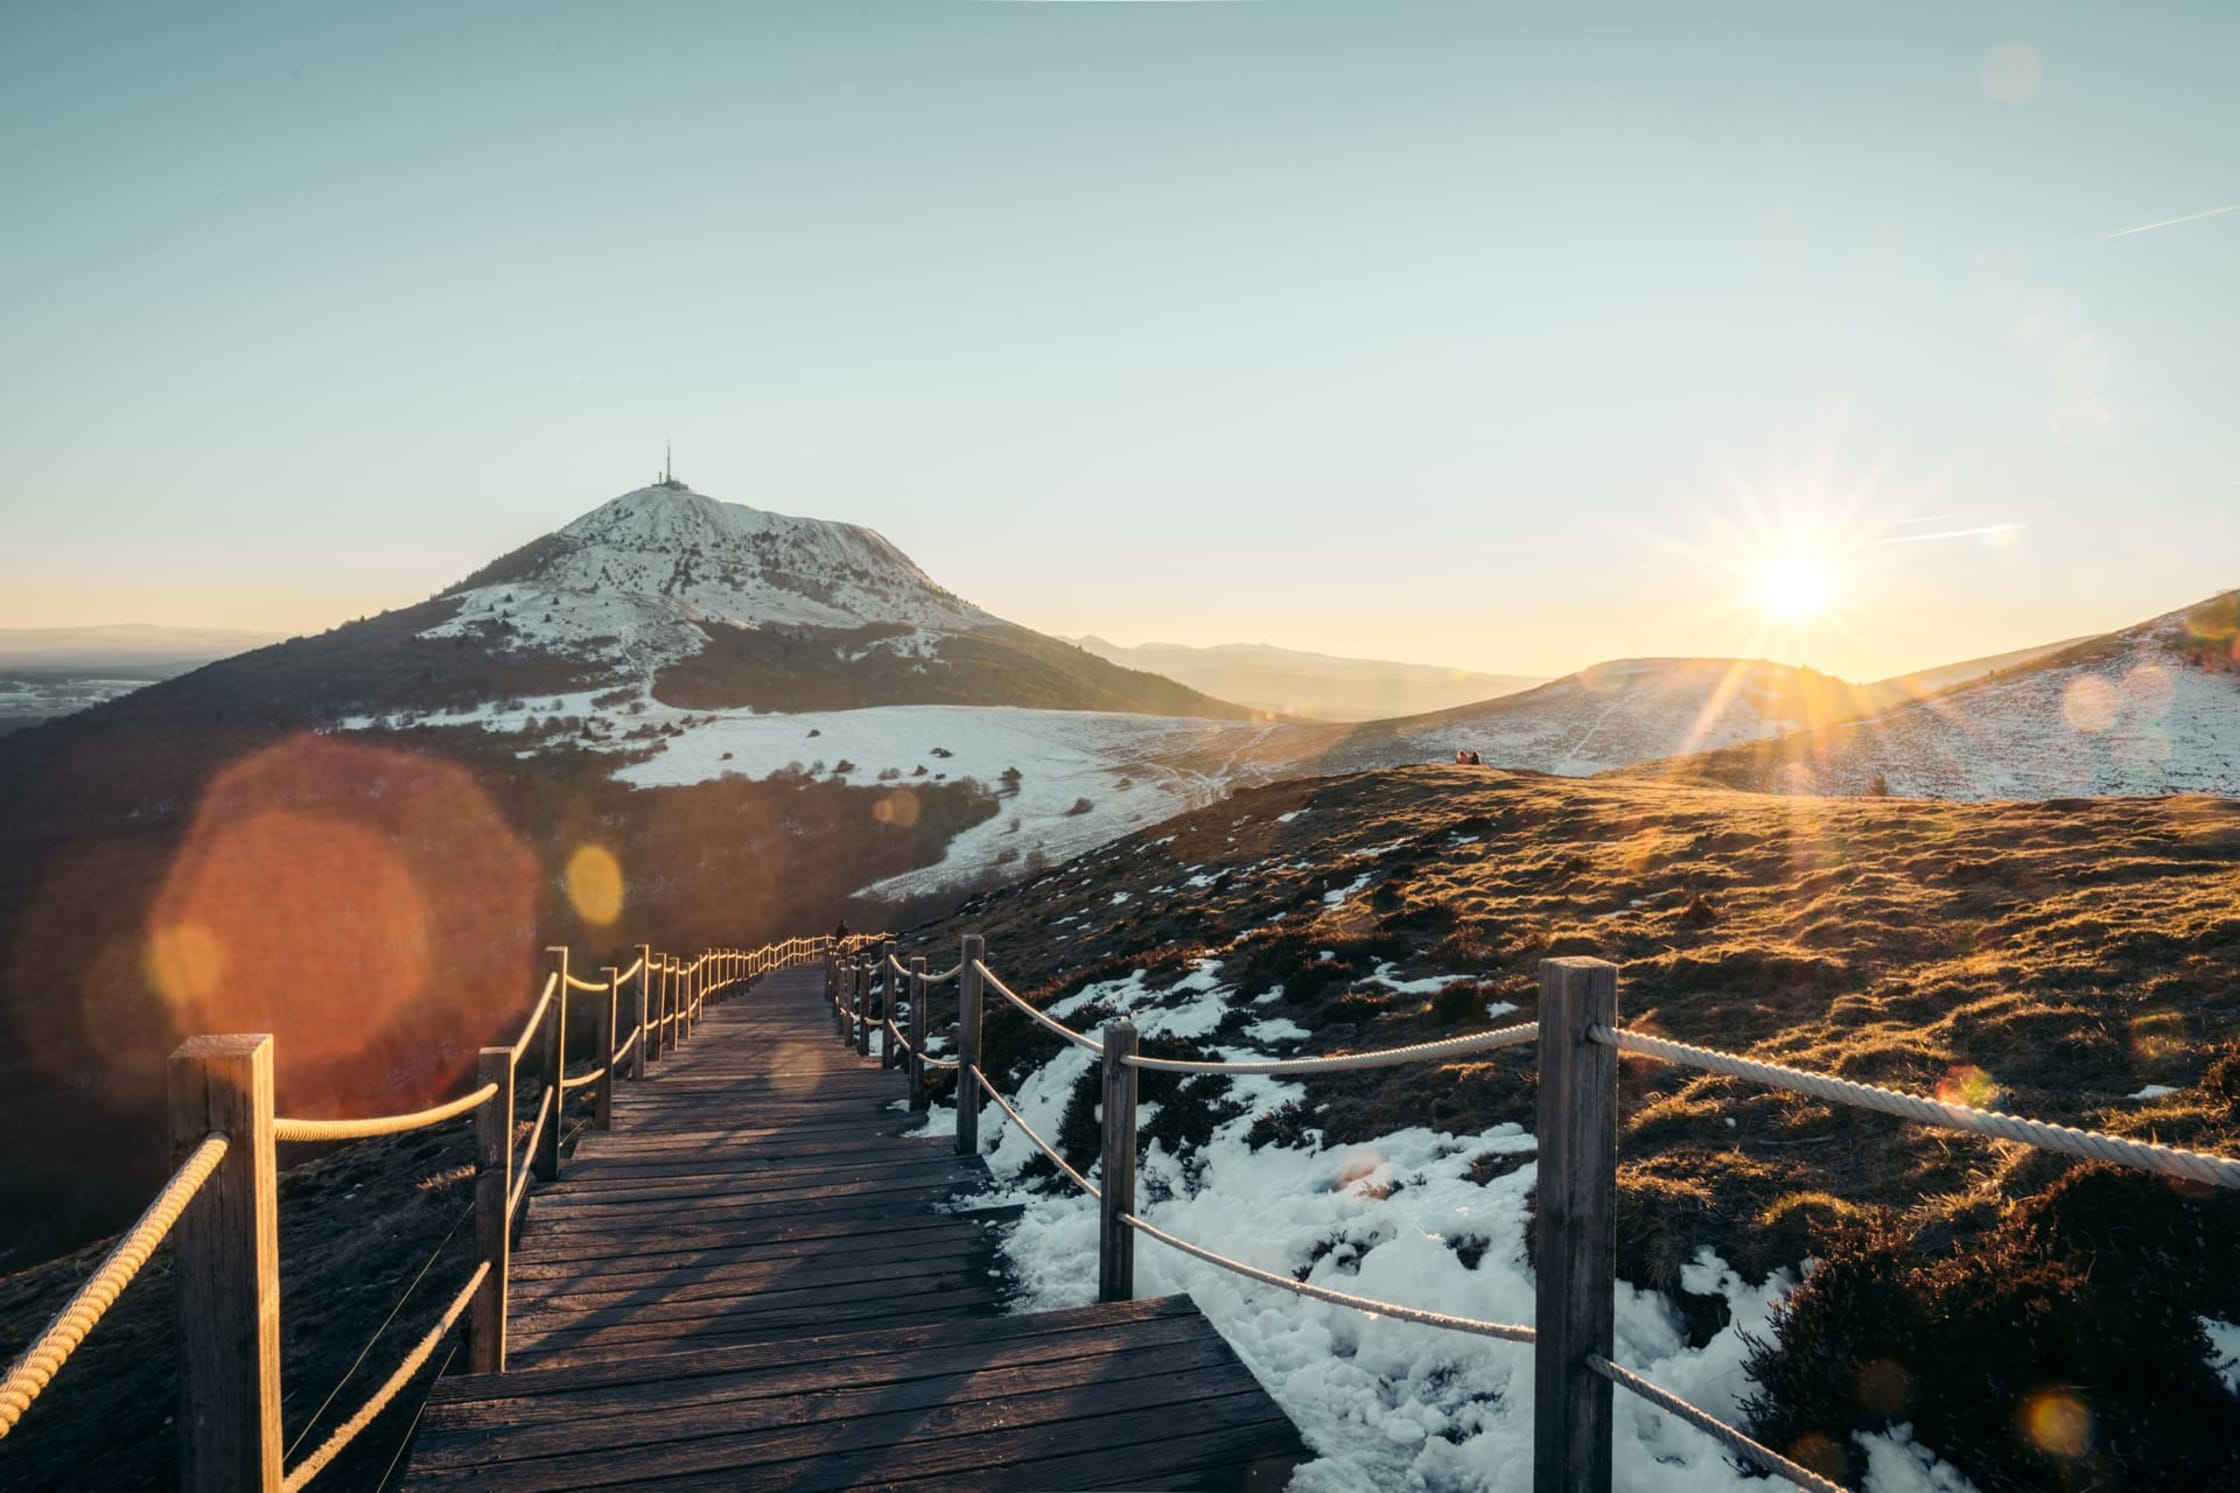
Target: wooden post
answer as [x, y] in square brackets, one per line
[917, 1058]
[890, 1051]
[1116, 1241]
[602, 1092]
[968, 1046]
[863, 1008]
[832, 984]
[228, 1253]
[546, 1165]
[654, 1032]
[1575, 1254]
[638, 1006]
[493, 1231]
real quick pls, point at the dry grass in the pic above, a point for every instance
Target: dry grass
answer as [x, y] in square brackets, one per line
[2051, 959]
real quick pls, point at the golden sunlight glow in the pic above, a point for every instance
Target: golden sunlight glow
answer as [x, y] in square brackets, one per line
[1795, 586]
[595, 884]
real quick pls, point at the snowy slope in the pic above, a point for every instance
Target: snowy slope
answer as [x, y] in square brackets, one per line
[632, 579]
[1625, 711]
[2152, 709]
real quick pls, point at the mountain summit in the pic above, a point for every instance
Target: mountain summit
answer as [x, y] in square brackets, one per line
[696, 559]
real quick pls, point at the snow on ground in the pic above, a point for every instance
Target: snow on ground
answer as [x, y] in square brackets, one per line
[2224, 1350]
[1085, 777]
[1384, 1404]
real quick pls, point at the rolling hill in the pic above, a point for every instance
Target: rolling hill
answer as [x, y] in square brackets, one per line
[1311, 686]
[2151, 709]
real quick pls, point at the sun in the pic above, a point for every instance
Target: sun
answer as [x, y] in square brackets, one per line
[1795, 586]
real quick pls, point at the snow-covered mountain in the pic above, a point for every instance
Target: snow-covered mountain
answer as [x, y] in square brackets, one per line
[2152, 709]
[713, 605]
[641, 578]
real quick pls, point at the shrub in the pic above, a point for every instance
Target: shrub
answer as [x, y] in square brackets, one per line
[1080, 806]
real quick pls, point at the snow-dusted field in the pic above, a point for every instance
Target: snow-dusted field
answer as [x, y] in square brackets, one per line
[1384, 1404]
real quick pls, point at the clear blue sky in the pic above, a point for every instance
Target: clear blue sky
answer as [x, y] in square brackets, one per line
[1467, 332]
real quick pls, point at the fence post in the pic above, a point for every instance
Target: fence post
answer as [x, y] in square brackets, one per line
[547, 1163]
[863, 1007]
[917, 1059]
[660, 999]
[890, 987]
[1575, 1253]
[1116, 1241]
[602, 1092]
[638, 1005]
[975, 949]
[493, 1232]
[832, 984]
[228, 1243]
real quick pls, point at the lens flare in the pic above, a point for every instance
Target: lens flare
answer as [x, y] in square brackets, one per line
[368, 907]
[595, 884]
[1968, 1088]
[1795, 586]
[899, 808]
[2090, 704]
[2058, 1422]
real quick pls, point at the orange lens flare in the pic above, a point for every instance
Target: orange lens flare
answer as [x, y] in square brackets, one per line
[2058, 1423]
[899, 808]
[595, 884]
[368, 907]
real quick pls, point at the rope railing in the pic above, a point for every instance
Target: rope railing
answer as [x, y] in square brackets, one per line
[536, 1016]
[1040, 1144]
[2168, 1161]
[946, 975]
[1058, 1028]
[1764, 1458]
[37, 1365]
[1507, 1331]
[1387, 1057]
[333, 1130]
[228, 1080]
[311, 1466]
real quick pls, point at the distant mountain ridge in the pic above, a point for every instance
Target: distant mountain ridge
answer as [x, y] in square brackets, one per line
[1310, 686]
[2150, 709]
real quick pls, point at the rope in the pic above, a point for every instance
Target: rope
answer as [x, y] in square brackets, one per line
[576, 984]
[948, 1064]
[624, 1050]
[570, 1085]
[1040, 1144]
[536, 1133]
[359, 1362]
[2194, 1166]
[347, 1432]
[1503, 1330]
[52, 1348]
[536, 1017]
[632, 972]
[1062, 1030]
[946, 975]
[1764, 1458]
[520, 1190]
[320, 1130]
[1420, 1052]
[414, 1429]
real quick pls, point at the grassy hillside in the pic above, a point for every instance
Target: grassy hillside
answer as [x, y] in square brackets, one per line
[796, 669]
[2053, 959]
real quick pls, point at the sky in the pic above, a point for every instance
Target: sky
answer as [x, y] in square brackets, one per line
[1501, 336]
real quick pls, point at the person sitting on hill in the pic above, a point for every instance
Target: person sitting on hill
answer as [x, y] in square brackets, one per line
[1461, 757]
[1476, 760]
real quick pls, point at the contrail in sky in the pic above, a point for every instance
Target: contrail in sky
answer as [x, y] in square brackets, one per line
[1953, 534]
[2214, 212]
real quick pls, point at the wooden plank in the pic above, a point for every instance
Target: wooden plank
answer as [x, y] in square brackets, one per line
[834, 1393]
[993, 1428]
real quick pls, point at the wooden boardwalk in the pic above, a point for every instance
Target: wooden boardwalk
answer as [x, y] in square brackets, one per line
[750, 1282]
